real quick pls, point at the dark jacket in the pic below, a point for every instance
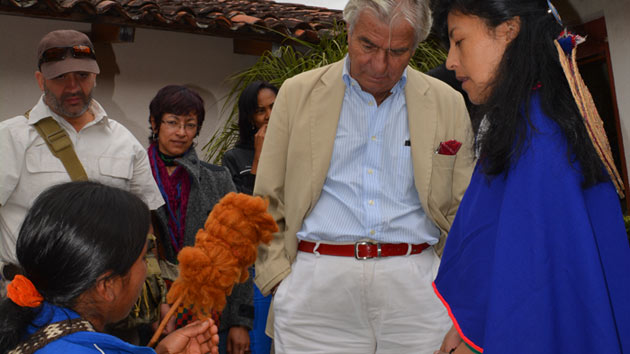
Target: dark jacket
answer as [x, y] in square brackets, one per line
[209, 183]
[239, 162]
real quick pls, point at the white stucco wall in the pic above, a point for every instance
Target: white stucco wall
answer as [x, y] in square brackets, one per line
[616, 13]
[618, 27]
[157, 58]
[153, 60]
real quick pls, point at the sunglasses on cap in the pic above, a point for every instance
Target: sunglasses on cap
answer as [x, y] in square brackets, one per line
[60, 53]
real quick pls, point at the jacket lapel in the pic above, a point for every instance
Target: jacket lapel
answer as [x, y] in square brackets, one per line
[325, 108]
[198, 203]
[421, 115]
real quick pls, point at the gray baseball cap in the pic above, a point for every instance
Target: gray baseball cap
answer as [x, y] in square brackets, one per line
[73, 51]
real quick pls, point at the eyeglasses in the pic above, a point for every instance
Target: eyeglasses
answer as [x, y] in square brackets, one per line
[175, 125]
[60, 53]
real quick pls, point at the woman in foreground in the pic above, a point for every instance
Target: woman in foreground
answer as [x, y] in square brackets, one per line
[81, 249]
[537, 259]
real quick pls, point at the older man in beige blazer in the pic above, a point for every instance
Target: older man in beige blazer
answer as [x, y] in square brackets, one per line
[359, 291]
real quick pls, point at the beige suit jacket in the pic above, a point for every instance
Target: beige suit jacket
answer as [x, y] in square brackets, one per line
[299, 144]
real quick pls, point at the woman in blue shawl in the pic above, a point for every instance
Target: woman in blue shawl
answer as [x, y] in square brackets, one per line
[81, 250]
[537, 259]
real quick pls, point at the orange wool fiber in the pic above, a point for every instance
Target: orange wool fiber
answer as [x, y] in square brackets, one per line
[224, 249]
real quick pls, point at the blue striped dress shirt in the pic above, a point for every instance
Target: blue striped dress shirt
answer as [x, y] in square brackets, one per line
[369, 192]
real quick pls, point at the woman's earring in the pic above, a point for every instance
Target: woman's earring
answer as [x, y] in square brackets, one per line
[153, 136]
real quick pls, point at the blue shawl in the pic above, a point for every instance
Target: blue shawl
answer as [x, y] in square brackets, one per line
[534, 263]
[79, 342]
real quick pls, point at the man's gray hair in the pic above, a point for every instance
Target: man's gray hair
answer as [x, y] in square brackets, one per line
[416, 12]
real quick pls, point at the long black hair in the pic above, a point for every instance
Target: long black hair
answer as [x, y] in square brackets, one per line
[247, 105]
[534, 54]
[73, 234]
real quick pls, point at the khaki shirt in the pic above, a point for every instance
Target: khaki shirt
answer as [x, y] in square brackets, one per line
[109, 153]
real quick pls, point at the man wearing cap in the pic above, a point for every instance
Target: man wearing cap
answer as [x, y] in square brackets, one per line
[107, 151]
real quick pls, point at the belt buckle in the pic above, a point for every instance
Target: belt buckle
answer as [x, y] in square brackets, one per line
[366, 243]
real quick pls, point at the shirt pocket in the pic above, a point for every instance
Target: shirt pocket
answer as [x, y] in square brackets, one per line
[39, 159]
[441, 195]
[116, 171]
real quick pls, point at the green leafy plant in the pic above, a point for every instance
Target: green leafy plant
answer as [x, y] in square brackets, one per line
[291, 59]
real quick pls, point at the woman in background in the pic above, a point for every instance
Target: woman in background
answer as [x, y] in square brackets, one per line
[537, 259]
[190, 188]
[254, 110]
[81, 250]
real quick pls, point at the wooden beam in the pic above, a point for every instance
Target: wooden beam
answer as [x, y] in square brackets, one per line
[107, 33]
[251, 46]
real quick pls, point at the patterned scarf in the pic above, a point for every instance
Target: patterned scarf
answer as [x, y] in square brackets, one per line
[175, 189]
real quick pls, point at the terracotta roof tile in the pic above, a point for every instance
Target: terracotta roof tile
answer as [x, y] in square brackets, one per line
[245, 19]
[227, 18]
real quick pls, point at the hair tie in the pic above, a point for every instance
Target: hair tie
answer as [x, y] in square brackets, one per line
[552, 10]
[23, 293]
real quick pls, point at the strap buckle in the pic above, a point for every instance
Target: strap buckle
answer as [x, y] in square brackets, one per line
[367, 244]
[57, 141]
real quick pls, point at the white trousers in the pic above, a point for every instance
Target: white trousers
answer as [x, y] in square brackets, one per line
[332, 304]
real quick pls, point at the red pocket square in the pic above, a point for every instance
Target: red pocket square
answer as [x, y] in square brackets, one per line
[450, 147]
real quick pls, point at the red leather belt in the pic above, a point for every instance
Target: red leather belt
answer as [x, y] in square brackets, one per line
[363, 250]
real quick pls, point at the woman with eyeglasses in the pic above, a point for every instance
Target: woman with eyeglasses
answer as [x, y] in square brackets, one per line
[81, 254]
[190, 188]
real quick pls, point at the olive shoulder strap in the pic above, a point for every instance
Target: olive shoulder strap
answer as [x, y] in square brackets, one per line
[61, 146]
